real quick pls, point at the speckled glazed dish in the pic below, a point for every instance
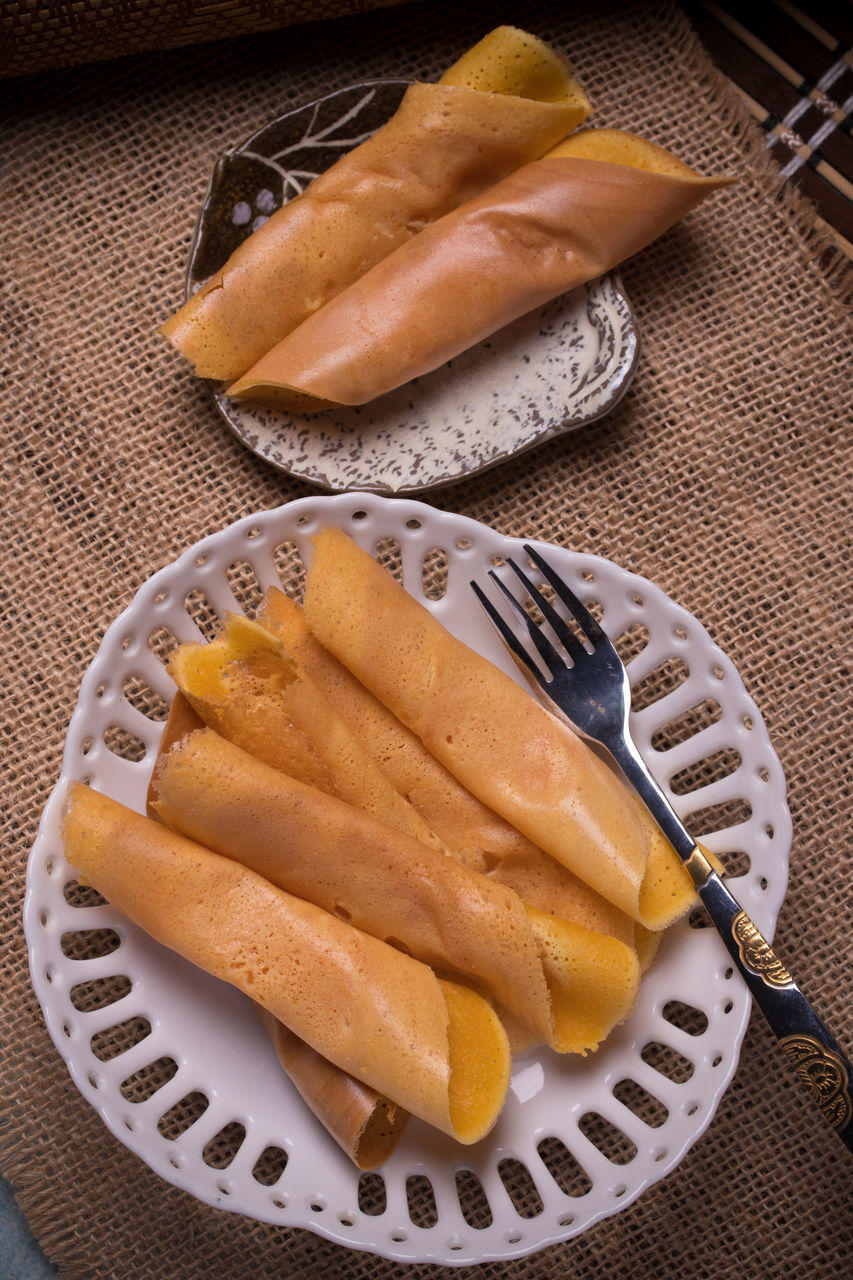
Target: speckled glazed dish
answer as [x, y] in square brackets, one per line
[559, 368]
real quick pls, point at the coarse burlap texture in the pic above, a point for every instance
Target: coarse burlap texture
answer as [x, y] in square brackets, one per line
[41, 35]
[724, 476]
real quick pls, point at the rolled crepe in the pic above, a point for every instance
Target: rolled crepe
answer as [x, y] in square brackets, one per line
[253, 686]
[445, 143]
[545, 229]
[501, 743]
[366, 1125]
[252, 692]
[476, 834]
[568, 986]
[246, 686]
[435, 1047]
[181, 720]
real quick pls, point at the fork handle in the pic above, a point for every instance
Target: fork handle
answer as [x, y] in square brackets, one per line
[818, 1060]
[813, 1052]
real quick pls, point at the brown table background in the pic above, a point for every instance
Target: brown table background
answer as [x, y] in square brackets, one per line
[724, 476]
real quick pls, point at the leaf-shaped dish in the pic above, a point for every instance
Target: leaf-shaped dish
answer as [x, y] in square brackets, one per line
[178, 1066]
[556, 369]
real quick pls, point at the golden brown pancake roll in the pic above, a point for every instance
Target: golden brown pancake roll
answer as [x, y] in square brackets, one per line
[501, 743]
[181, 720]
[469, 828]
[540, 232]
[364, 1123]
[251, 691]
[247, 687]
[445, 143]
[568, 985]
[435, 1047]
[251, 685]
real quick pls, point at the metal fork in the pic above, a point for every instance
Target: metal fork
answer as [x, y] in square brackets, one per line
[588, 685]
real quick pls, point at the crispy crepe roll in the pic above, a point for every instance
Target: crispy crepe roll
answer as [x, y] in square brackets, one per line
[246, 687]
[470, 829]
[391, 886]
[593, 978]
[445, 143]
[543, 230]
[436, 1048]
[243, 683]
[501, 743]
[511, 61]
[366, 1125]
[181, 720]
[482, 839]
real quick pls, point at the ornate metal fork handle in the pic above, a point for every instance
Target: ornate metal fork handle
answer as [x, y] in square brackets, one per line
[815, 1055]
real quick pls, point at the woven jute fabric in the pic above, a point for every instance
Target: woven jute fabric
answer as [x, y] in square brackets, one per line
[41, 35]
[723, 475]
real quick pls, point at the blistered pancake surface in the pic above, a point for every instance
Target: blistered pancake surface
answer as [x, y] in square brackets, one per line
[491, 734]
[543, 230]
[374, 1012]
[445, 143]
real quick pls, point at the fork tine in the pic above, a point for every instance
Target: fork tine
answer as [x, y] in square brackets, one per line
[543, 646]
[570, 642]
[505, 632]
[592, 629]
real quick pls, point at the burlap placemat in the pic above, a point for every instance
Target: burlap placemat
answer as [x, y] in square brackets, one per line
[724, 476]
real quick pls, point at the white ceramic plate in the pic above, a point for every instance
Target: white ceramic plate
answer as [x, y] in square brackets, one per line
[175, 1062]
[559, 368]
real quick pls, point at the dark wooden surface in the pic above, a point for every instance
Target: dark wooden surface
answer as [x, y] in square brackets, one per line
[793, 66]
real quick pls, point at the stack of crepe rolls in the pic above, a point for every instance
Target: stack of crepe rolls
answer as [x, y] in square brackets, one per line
[507, 101]
[593, 201]
[277, 693]
[281, 696]
[501, 743]
[434, 1046]
[475, 833]
[303, 788]
[565, 984]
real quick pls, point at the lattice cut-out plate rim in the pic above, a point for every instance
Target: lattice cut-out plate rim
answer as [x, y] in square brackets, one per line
[207, 1032]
